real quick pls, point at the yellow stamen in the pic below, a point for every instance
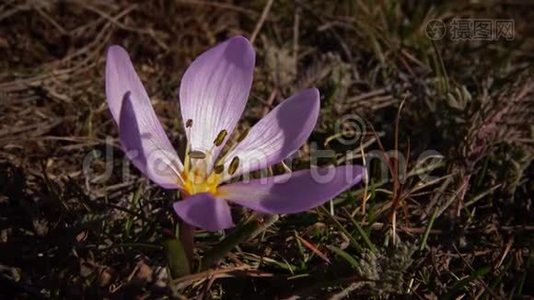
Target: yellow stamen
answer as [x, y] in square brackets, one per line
[243, 135]
[197, 155]
[220, 137]
[197, 182]
[218, 169]
[198, 175]
[188, 125]
[233, 165]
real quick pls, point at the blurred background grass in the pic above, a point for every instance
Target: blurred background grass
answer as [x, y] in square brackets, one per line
[465, 232]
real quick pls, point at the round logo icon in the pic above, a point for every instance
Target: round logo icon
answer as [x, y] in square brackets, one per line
[435, 29]
[350, 129]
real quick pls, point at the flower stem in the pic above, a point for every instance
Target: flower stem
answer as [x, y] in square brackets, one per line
[180, 251]
[176, 258]
[188, 240]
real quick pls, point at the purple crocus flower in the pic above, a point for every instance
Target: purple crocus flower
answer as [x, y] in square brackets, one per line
[213, 94]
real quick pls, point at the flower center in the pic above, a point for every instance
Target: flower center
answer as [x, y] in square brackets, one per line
[195, 176]
[196, 182]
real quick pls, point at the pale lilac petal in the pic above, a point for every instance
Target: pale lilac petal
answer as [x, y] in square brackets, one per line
[144, 150]
[214, 91]
[293, 192]
[278, 135]
[205, 211]
[141, 133]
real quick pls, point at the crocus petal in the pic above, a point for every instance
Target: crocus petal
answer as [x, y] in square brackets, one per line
[278, 135]
[214, 91]
[205, 211]
[141, 133]
[293, 192]
[144, 148]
